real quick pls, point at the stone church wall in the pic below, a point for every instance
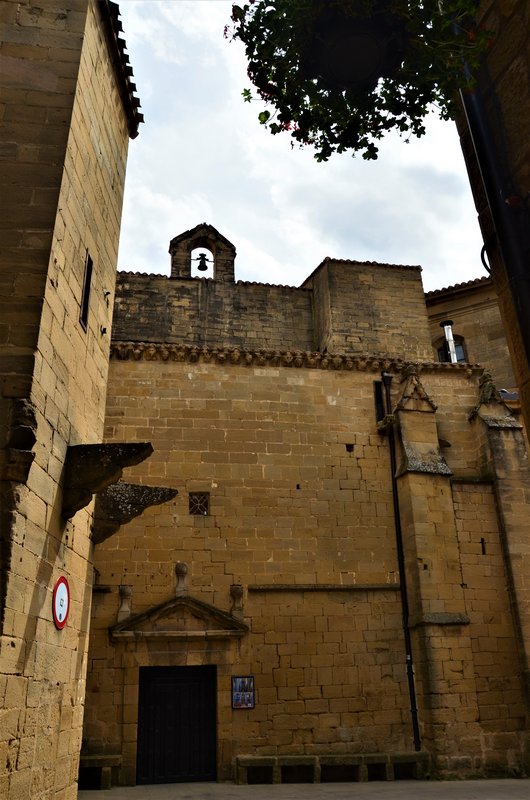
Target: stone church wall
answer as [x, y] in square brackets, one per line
[69, 143]
[300, 521]
[345, 306]
[369, 308]
[261, 397]
[299, 542]
[473, 308]
[205, 312]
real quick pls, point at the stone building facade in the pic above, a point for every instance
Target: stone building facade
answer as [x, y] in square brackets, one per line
[67, 110]
[299, 571]
[277, 564]
[473, 310]
[495, 138]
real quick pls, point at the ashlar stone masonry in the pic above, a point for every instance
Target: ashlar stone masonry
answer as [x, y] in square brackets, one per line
[260, 399]
[66, 114]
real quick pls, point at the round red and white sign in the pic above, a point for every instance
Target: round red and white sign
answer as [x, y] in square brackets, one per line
[60, 602]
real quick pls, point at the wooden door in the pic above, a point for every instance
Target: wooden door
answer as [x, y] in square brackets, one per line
[176, 724]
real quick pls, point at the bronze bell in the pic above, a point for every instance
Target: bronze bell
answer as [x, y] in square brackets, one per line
[202, 266]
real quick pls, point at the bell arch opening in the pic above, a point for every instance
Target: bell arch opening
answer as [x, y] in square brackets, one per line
[202, 263]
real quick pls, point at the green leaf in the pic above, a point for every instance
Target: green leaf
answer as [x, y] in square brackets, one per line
[277, 33]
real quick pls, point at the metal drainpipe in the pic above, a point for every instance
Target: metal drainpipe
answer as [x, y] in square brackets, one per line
[387, 382]
[448, 331]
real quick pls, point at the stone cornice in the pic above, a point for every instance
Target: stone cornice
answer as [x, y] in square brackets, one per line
[110, 14]
[155, 351]
[324, 587]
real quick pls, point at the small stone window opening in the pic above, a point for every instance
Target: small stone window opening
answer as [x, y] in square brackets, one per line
[202, 263]
[349, 448]
[85, 295]
[199, 503]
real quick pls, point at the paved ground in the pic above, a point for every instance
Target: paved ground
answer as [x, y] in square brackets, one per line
[396, 790]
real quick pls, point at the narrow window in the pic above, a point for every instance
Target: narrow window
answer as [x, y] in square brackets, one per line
[199, 503]
[379, 399]
[85, 296]
[442, 350]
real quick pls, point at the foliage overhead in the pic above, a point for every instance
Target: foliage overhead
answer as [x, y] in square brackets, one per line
[285, 43]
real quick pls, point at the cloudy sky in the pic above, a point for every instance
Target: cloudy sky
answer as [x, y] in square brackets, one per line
[203, 157]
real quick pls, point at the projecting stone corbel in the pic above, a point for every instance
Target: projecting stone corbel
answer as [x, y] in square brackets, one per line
[90, 468]
[17, 457]
[121, 502]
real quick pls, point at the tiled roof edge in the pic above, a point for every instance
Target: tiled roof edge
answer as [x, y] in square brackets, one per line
[110, 14]
[197, 278]
[327, 259]
[484, 279]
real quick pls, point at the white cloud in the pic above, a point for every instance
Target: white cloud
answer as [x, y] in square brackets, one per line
[203, 157]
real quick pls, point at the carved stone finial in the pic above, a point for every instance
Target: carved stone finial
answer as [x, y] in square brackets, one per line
[487, 390]
[487, 394]
[181, 571]
[125, 609]
[408, 371]
[120, 502]
[89, 468]
[413, 396]
[236, 593]
[490, 406]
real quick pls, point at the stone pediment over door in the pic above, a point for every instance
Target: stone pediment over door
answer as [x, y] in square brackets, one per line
[181, 618]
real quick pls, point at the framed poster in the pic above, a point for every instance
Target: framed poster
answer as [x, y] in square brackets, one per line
[243, 691]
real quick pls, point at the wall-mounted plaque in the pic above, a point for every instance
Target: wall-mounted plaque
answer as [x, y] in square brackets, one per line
[243, 691]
